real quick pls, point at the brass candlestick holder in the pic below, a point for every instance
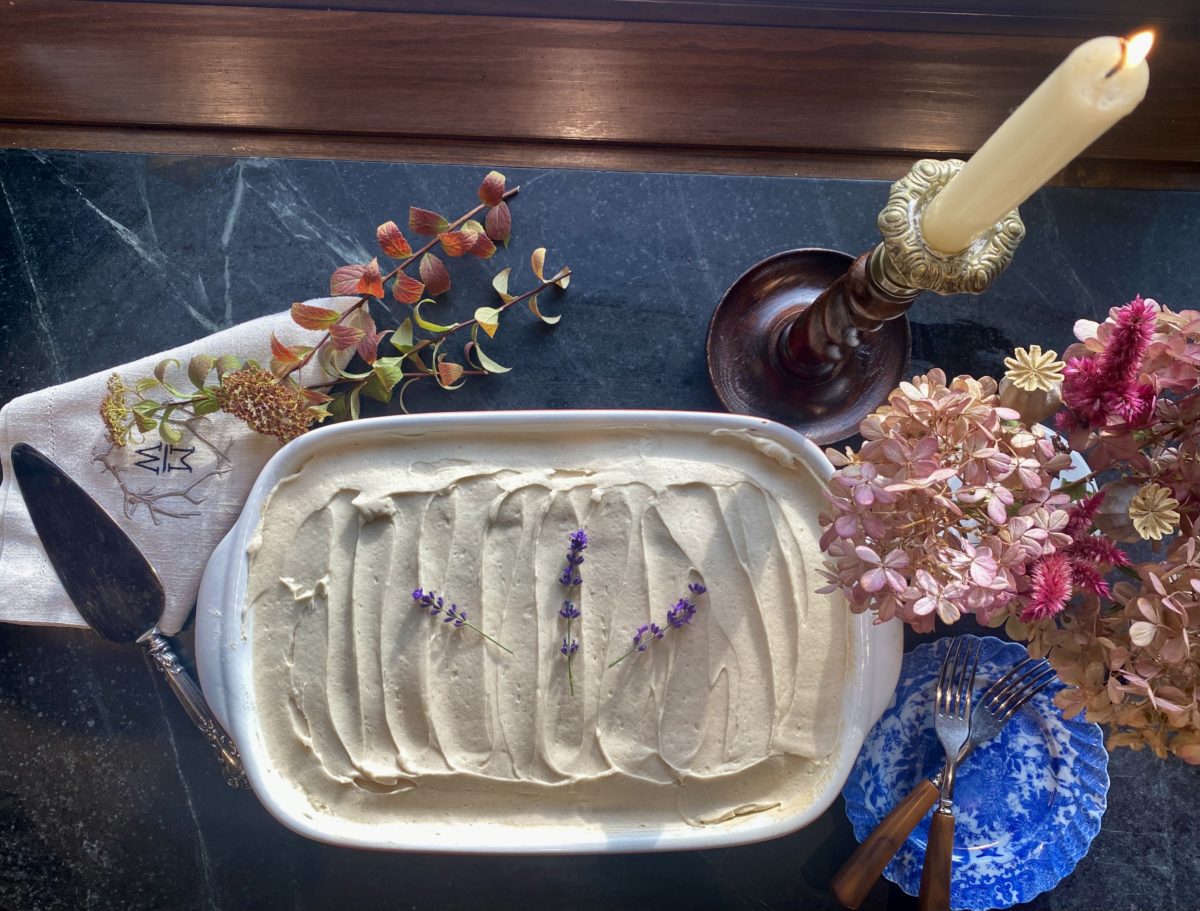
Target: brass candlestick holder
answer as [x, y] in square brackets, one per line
[816, 339]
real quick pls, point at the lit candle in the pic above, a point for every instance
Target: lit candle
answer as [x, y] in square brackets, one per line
[1098, 84]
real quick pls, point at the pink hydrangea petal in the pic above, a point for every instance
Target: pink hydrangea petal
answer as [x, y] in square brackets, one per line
[873, 580]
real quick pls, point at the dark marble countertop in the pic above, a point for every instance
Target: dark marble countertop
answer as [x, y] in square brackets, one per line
[110, 799]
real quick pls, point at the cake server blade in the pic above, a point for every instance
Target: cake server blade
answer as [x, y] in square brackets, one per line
[110, 582]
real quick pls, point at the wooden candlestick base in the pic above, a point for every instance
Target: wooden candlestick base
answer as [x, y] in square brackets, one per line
[817, 340]
[750, 361]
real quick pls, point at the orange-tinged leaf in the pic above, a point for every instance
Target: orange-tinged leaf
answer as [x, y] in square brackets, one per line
[282, 353]
[448, 373]
[391, 241]
[484, 248]
[423, 221]
[371, 282]
[316, 396]
[368, 345]
[357, 278]
[435, 275]
[456, 243]
[491, 191]
[488, 319]
[538, 262]
[499, 223]
[344, 280]
[407, 290]
[343, 337]
[311, 316]
[533, 308]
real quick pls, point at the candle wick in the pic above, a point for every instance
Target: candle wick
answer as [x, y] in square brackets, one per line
[1120, 64]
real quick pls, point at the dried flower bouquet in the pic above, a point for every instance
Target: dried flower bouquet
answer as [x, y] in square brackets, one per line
[955, 504]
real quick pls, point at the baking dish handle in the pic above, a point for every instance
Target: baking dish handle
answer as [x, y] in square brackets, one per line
[212, 614]
[886, 652]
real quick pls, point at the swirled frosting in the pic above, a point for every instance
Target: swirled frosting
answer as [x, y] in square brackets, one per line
[380, 714]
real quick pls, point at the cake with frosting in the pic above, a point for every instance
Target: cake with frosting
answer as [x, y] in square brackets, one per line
[380, 714]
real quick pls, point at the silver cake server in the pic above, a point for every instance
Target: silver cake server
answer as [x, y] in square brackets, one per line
[111, 584]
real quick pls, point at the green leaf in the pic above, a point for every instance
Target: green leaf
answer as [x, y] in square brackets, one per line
[354, 403]
[143, 415]
[198, 368]
[227, 363]
[533, 307]
[404, 389]
[146, 384]
[169, 432]
[160, 369]
[424, 323]
[387, 373]
[487, 363]
[488, 319]
[402, 338]
[500, 283]
[206, 405]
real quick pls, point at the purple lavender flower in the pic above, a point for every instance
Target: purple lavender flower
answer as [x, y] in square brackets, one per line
[435, 604]
[571, 578]
[679, 615]
[578, 542]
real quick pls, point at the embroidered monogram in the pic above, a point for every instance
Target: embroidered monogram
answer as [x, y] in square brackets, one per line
[181, 470]
[163, 459]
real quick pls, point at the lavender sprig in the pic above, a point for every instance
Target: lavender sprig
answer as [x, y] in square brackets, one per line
[435, 604]
[571, 578]
[679, 615]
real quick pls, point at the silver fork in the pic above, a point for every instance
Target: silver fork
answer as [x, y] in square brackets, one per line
[952, 723]
[994, 709]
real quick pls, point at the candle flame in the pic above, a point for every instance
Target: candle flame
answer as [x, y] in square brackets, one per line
[1136, 49]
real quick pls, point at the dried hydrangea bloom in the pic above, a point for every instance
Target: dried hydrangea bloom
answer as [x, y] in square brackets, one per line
[255, 396]
[1131, 666]
[945, 506]
[1154, 512]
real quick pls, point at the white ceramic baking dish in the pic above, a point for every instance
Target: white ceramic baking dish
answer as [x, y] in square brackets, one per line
[225, 657]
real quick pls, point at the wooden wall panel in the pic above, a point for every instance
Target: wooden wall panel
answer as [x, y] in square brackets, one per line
[759, 97]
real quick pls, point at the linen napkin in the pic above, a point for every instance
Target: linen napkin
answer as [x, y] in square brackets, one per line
[175, 500]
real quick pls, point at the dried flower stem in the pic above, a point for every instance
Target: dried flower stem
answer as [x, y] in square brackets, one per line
[412, 258]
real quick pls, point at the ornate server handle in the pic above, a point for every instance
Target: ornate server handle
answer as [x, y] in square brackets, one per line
[189, 695]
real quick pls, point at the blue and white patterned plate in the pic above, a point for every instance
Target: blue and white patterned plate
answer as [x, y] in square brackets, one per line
[1027, 804]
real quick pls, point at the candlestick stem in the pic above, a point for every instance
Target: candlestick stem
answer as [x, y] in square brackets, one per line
[817, 340]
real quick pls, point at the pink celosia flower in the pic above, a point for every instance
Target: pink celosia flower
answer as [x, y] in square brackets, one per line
[1051, 588]
[1106, 387]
